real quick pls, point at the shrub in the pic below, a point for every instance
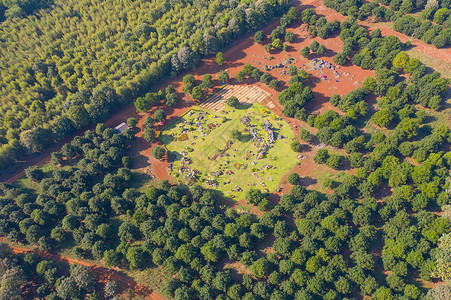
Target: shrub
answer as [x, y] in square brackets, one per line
[296, 146]
[439, 41]
[265, 78]
[259, 37]
[340, 59]
[334, 162]
[293, 179]
[34, 174]
[220, 58]
[305, 51]
[321, 156]
[131, 122]
[158, 152]
[329, 183]
[274, 84]
[321, 50]
[233, 102]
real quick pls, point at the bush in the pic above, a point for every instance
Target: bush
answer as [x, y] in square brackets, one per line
[305, 51]
[334, 162]
[233, 102]
[274, 84]
[305, 135]
[254, 196]
[158, 152]
[321, 50]
[440, 15]
[235, 134]
[265, 78]
[321, 156]
[159, 115]
[314, 46]
[34, 174]
[220, 58]
[293, 179]
[340, 59]
[268, 48]
[131, 122]
[439, 41]
[149, 134]
[296, 146]
[329, 183]
[259, 37]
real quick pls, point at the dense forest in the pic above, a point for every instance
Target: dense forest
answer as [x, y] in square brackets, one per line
[338, 247]
[66, 67]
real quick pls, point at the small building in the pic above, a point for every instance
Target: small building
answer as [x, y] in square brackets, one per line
[121, 128]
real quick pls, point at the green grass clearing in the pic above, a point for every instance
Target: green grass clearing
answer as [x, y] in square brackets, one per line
[438, 65]
[152, 277]
[237, 169]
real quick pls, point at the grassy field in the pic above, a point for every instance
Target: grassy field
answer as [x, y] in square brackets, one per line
[239, 166]
[441, 66]
[153, 277]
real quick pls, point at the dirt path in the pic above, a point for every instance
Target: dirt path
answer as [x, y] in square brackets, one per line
[101, 274]
[443, 54]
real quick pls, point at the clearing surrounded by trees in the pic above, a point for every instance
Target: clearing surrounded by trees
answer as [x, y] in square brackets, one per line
[230, 151]
[309, 160]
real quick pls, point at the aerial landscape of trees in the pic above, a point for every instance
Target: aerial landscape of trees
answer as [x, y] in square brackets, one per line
[397, 11]
[379, 227]
[52, 279]
[59, 78]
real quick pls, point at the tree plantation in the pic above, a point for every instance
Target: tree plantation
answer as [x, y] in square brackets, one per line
[74, 63]
[309, 160]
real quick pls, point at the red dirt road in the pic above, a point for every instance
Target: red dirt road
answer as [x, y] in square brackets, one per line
[101, 274]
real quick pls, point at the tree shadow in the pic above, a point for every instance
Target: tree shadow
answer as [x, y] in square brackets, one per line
[307, 181]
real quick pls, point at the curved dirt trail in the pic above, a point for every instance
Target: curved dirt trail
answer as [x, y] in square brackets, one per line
[443, 54]
[101, 274]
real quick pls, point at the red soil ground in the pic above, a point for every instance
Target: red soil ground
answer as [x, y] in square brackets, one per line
[100, 273]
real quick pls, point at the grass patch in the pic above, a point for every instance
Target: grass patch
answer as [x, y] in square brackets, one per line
[443, 67]
[24, 183]
[231, 168]
[323, 172]
[152, 277]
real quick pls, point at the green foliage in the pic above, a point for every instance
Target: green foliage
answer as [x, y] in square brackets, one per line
[223, 76]
[220, 58]
[334, 162]
[340, 59]
[440, 15]
[305, 51]
[158, 152]
[274, 84]
[294, 178]
[259, 37]
[233, 102]
[296, 146]
[321, 156]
